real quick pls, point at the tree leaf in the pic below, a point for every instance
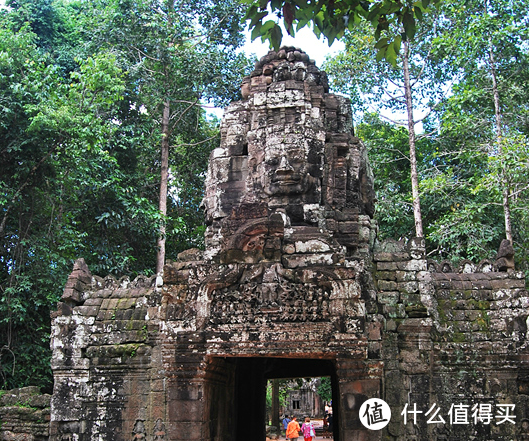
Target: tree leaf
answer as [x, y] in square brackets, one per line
[275, 37]
[418, 13]
[267, 27]
[257, 18]
[381, 53]
[397, 44]
[288, 17]
[391, 55]
[381, 43]
[409, 25]
[256, 31]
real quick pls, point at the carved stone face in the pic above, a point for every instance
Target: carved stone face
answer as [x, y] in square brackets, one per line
[285, 171]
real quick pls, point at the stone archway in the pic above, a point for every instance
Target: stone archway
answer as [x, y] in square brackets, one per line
[231, 395]
[290, 283]
[251, 376]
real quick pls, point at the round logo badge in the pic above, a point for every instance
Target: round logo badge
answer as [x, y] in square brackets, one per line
[375, 414]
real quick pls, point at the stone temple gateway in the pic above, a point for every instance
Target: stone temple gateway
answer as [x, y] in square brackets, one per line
[292, 283]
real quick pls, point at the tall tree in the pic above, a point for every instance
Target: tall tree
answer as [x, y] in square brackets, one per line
[180, 53]
[487, 112]
[48, 123]
[359, 72]
[80, 152]
[387, 146]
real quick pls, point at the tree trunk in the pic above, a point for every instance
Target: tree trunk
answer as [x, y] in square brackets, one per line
[275, 405]
[506, 192]
[160, 256]
[411, 131]
[507, 213]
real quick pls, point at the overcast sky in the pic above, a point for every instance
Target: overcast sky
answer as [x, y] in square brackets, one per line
[317, 49]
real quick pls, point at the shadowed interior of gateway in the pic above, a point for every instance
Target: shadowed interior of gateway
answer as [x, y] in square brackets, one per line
[252, 374]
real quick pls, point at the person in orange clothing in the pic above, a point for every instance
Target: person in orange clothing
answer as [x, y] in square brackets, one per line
[293, 429]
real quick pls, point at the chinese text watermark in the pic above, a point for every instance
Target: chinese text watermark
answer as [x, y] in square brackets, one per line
[375, 414]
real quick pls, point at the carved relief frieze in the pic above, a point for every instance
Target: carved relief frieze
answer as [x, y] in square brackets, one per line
[280, 301]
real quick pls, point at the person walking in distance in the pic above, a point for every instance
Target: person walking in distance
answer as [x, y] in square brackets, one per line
[293, 429]
[308, 430]
[286, 420]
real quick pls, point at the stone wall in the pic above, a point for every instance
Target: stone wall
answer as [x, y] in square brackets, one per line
[292, 283]
[453, 337]
[24, 415]
[103, 342]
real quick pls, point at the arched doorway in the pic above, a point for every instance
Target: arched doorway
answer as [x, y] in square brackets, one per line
[244, 393]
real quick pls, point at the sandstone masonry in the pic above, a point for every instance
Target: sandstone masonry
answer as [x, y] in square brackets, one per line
[292, 283]
[24, 415]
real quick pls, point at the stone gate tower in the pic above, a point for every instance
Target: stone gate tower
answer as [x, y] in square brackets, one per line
[290, 284]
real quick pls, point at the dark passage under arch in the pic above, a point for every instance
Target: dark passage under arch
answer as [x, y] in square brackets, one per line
[245, 396]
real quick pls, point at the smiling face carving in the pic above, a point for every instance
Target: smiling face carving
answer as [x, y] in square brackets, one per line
[285, 176]
[287, 149]
[284, 170]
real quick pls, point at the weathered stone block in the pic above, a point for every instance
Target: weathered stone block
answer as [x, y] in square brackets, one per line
[299, 261]
[374, 331]
[408, 287]
[412, 265]
[386, 275]
[386, 266]
[391, 257]
[387, 285]
[405, 276]
[388, 297]
[312, 246]
[93, 301]
[88, 311]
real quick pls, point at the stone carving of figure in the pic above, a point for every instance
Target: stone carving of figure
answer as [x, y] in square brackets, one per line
[159, 430]
[138, 433]
[282, 72]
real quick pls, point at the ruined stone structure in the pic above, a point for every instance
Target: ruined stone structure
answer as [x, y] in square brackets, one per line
[292, 283]
[303, 401]
[24, 415]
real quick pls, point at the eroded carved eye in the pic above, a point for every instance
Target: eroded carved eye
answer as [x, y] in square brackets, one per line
[297, 163]
[272, 161]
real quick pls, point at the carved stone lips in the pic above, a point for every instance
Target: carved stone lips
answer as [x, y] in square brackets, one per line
[286, 178]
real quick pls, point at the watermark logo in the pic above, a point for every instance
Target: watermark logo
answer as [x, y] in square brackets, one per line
[375, 414]
[482, 413]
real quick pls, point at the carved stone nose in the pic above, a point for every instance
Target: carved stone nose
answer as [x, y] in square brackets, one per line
[284, 166]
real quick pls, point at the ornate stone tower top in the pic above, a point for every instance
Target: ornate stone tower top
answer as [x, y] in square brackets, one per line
[288, 158]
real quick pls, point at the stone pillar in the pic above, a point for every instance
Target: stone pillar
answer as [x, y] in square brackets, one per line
[186, 398]
[357, 382]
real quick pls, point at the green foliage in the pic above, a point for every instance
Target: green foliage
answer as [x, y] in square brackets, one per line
[358, 72]
[463, 170]
[334, 19]
[325, 389]
[80, 88]
[474, 167]
[53, 128]
[283, 393]
[170, 60]
[387, 149]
